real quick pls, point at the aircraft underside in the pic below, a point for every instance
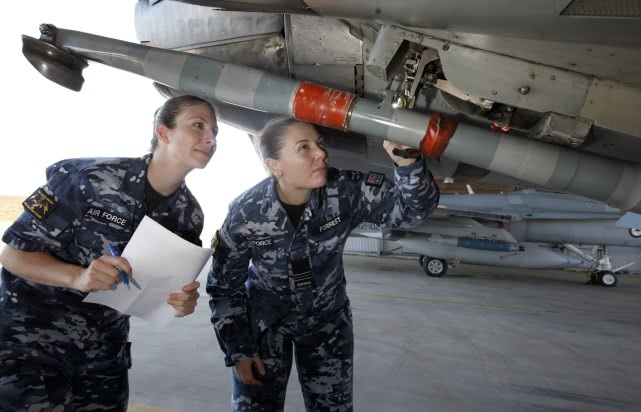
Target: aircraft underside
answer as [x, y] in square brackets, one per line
[563, 73]
[516, 93]
[545, 97]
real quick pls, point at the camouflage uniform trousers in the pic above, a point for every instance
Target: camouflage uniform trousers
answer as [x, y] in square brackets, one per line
[324, 361]
[37, 379]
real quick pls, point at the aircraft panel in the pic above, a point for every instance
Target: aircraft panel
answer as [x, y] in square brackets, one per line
[614, 105]
[541, 19]
[610, 62]
[609, 8]
[514, 81]
[320, 41]
[174, 25]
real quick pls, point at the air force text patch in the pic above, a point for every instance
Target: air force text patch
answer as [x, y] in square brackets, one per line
[40, 204]
[262, 242]
[375, 179]
[106, 217]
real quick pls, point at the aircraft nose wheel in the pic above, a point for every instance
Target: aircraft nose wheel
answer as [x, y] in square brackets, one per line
[603, 278]
[433, 267]
[607, 278]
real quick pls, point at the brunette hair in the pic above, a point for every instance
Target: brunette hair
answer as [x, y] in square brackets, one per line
[167, 113]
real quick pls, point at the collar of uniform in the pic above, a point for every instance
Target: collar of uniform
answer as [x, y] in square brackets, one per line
[176, 200]
[316, 199]
[136, 179]
[134, 182]
[313, 204]
[272, 205]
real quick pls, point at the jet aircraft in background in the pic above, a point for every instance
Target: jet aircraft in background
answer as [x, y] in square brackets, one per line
[540, 92]
[525, 229]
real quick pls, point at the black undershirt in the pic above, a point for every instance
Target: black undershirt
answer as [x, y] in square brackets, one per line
[153, 199]
[295, 212]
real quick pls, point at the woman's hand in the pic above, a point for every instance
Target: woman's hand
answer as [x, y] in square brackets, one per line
[185, 303]
[101, 274]
[246, 374]
[390, 146]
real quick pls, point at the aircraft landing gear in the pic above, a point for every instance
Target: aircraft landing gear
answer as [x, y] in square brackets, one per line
[601, 272]
[433, 267]
[604, 278]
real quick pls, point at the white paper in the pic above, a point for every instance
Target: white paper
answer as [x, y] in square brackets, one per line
[162, 263]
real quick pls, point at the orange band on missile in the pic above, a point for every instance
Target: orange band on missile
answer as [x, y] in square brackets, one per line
[437, 136]
[322, 105]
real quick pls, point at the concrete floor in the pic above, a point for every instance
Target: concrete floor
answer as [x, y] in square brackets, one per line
[479, 339]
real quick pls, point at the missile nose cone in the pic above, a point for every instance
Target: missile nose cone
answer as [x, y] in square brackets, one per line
[53, 63]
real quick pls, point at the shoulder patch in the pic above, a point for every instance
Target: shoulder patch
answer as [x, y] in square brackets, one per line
[40, 204]
[374, 179]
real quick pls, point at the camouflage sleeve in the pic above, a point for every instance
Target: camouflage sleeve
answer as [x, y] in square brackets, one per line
[46, 222]
[226, 289]
[196, 228]
[408, 200]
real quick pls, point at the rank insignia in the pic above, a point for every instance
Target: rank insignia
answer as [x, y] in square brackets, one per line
[375, 179]
[40, 204]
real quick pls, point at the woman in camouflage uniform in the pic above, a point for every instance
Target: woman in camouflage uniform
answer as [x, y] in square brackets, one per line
[56, 352]
[292, 227]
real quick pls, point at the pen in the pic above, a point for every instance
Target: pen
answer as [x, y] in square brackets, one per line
[123, 276]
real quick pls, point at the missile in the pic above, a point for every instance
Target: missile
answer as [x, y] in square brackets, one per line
[486, 244]
[61, 55]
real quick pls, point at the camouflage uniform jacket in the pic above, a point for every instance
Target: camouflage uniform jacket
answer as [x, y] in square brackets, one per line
[85, 205]
[247, 300]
